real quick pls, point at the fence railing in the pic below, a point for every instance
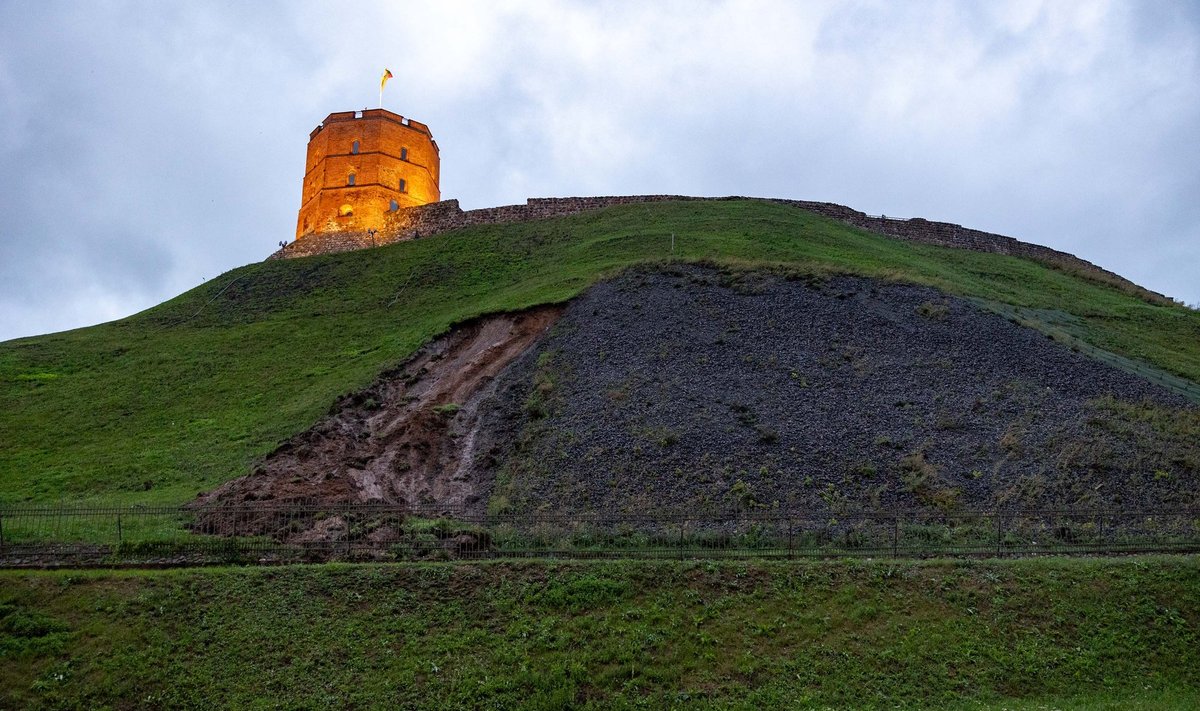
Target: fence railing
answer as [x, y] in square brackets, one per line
[81, 536]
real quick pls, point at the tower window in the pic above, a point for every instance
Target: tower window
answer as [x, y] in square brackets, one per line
[394, 206]
[403, 154]
[350, 180]
[403, 186]
[354, 148]
[345, 210]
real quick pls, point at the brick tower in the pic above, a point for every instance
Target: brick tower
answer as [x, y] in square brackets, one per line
[363, 165]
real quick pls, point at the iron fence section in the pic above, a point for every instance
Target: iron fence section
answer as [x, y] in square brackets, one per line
[277, 533]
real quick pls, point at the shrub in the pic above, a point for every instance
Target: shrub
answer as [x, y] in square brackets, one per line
[917, 472]
[866, 470]
[921, 478]
[934, 311]
[767, 435]
[1011, 439]
[741, 494]
[947, 421]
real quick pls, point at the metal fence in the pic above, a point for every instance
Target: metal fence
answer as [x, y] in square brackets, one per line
[36, 536]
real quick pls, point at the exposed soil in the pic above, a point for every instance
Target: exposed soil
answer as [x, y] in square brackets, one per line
[410, 438]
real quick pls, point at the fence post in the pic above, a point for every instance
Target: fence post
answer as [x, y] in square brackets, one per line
[999, 532]
[1, 535]
[346, 514]
[895, 536]
[681, 540]
[1102, 544]
[120, 537]
[791, 541]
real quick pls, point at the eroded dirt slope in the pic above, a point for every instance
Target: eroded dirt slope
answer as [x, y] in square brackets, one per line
[408, 439]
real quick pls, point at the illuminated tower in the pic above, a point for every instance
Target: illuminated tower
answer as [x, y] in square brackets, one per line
[361, 166]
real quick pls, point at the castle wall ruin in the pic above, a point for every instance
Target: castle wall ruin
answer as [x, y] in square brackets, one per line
[438, 217]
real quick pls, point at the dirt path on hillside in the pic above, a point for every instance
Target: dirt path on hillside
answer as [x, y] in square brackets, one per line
[409, 439]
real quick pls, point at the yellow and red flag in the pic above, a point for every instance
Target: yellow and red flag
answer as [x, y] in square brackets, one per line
[387, 74]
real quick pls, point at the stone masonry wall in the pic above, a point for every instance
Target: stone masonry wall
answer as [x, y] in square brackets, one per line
[361, 163]
[434, 218]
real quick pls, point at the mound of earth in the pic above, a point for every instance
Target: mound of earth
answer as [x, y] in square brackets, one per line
[694, 390]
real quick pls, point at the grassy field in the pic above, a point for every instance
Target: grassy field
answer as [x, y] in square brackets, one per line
[1049, 633]
[174, 400]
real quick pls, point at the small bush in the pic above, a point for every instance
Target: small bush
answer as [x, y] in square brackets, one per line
[922, 479]
[917, 472]
[947, 421]
[741, 494]
[1011, 440]
[866, 470]
[664, 436]
[536, 406]
[767, 435]
[934, 311]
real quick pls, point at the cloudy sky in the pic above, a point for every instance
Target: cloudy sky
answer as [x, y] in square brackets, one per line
[147, 147]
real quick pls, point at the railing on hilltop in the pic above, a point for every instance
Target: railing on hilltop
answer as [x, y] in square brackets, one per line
[44, 536]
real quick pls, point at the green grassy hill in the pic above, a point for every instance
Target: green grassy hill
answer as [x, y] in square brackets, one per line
[174, 400]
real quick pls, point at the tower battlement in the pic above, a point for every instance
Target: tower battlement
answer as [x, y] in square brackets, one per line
[362, 166]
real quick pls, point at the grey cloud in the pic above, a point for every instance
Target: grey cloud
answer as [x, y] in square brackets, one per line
[148, 146]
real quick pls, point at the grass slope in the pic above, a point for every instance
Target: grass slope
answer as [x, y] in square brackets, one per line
[158, 406]
[1020, 634]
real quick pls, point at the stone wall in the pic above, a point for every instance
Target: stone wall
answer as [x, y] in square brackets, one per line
[427, 220]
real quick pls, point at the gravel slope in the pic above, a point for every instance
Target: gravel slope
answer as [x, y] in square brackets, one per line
[695, 390]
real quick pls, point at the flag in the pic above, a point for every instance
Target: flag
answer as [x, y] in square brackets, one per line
[387, 74]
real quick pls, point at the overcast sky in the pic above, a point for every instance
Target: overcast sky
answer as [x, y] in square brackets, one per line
[147, 147]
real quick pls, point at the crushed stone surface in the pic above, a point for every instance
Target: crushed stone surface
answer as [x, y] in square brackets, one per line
[692, 390]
